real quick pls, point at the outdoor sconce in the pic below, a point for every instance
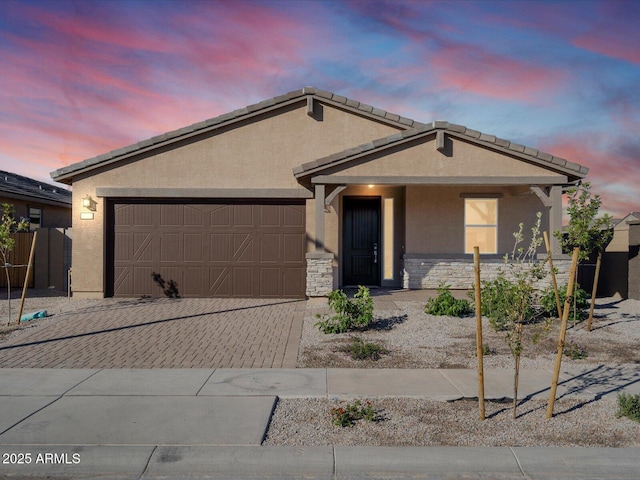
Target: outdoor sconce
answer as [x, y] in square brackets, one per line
[89, 203]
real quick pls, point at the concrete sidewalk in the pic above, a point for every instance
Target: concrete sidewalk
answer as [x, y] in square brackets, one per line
[210, 423]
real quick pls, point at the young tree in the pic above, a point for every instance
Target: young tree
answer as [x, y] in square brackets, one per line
[586, 230]
[509, 300]
[8, 225]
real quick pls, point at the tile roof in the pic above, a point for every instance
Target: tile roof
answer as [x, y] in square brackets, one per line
[18, 186]
[459, 131]
[412, 129]
[63, 174]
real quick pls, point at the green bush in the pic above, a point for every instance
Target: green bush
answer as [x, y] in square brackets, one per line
[355, 313]
[348, 415]
[548, 301]
[358, 349]
[500, 298]
[575, 351]
[446, 304]
[629, 406]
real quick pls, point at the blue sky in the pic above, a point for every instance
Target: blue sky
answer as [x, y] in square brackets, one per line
[81, 78]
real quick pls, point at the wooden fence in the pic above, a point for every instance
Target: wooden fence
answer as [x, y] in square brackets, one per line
[18, 256]
[51, 262]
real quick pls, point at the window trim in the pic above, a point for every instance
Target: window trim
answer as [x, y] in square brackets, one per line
[494, 226]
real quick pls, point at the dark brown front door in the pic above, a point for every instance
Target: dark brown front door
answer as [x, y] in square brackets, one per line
[361, 241]
[231, 249]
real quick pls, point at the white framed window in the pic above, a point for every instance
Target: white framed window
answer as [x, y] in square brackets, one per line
[481, 224]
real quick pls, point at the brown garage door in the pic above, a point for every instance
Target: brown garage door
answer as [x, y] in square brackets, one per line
[209, 250]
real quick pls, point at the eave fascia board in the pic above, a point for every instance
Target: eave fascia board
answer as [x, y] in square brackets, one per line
[437, 180]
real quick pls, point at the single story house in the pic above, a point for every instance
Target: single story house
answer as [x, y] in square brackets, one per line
[301, 194]
[617, 277]
[44, 205]
[48, 208]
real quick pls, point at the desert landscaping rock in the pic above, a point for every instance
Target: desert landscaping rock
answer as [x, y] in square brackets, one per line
[418, 340]
[418, 422]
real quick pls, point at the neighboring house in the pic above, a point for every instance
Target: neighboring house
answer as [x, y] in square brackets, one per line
[617, 276]
[48, 208]
[303, 193]
[43, 204]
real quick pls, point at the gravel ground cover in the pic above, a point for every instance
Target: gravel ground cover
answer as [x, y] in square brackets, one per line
[417, 340]
[405, 421]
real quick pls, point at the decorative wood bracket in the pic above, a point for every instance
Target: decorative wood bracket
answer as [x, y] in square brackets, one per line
[333, 194]
[545, 197]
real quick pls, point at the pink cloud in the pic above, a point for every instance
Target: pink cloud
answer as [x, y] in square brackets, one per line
[472, 69]
[610, 169]
[89, 82]
[615, 31]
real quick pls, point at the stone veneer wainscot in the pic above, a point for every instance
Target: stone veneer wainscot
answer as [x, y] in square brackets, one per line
[319, 274]
[425, 272]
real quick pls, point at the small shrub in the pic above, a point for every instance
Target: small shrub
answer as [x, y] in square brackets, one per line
[575, 351]
[348, 415]
[548, 301]
[488, 351]
[361, 350]
[355, 313]
[629, 406]
[446, 304]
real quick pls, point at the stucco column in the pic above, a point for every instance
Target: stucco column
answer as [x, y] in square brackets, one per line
[319, 200]
[555, 218]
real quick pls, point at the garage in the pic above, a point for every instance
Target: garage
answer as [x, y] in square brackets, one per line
[219, 249]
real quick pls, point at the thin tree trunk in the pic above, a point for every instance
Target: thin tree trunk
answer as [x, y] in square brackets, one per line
[561, 337]
[553, 274]
[476, 264]
[516, 374]
[6, 271]
[594, 291]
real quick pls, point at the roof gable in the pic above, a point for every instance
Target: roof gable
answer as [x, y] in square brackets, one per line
[312, 94]
[530, 155]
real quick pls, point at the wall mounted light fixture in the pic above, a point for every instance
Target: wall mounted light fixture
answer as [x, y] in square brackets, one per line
[89, 203]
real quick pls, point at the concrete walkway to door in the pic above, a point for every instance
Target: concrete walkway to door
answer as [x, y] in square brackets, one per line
[161, 333]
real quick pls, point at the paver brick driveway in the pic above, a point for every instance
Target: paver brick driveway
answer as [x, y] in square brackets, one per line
[162, 333]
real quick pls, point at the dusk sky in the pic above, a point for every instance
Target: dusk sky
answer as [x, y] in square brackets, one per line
[80, 78]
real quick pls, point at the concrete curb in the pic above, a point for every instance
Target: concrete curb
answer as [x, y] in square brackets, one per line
[338, 462]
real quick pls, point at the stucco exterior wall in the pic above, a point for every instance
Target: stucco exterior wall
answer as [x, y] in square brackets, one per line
[435, 217]
[421, 158]
[255, 154]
